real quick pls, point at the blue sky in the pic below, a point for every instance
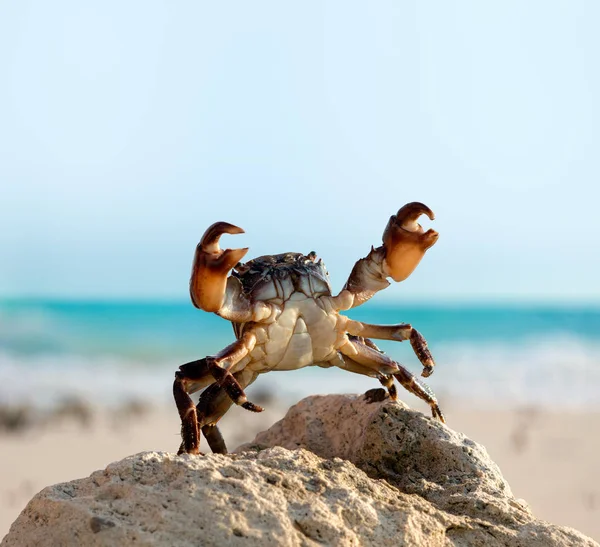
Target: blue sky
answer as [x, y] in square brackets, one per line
[126, 128]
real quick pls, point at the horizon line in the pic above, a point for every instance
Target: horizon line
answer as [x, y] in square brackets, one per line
[447, 301]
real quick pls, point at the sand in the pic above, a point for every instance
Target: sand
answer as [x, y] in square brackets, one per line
[550, 459]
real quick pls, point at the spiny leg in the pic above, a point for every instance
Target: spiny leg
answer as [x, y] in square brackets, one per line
[213, 402]
[399, 333]
[235, 392]
[373, 359]
[421, 390]
[386, 380]
[363, 352]
[190, 435]
[190, 377]
[212, 405]
[198, 374]
[210, 402]
[220, 365]
[388, 383]
[214, 438]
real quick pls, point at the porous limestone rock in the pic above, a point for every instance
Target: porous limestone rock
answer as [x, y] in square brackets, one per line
[417, 455]
[388, 440]
[419, 483]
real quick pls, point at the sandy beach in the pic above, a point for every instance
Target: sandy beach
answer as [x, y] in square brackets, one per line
[549, 459]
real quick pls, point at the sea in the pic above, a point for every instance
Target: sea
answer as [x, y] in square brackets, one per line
[500, 356]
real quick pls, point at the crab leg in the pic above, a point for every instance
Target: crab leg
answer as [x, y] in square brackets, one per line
[214, 438]
[220, 365]
[346, 363]
[398, 333]
[404, 245]
[213, 404]
[198, 374]
[189, 378]
[190, 434]
[369, 357]
[386, 381]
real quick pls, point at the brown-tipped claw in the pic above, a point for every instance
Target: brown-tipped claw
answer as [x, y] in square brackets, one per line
[437, 413]
[252, 407]
[405, 241]
[212, 265]
[375, 395]
[210, 239]
[411, 212]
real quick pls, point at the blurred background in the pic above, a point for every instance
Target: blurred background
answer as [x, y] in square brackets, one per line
[127, 128]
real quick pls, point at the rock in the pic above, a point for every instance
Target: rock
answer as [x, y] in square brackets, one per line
[412, 482]
[417, 455]
[388, 440]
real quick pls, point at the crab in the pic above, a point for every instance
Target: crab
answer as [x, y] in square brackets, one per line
[285, 317]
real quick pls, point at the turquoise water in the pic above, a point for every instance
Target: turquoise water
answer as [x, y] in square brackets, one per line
[511, 355]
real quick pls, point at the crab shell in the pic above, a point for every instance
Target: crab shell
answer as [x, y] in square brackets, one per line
[304, 331]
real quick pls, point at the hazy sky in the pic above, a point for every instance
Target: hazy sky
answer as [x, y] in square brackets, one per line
[126, 128]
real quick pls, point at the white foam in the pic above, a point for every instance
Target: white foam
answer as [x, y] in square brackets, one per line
[559, 372]
[45, 379]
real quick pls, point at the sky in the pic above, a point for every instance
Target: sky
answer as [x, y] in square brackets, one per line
[126, 128]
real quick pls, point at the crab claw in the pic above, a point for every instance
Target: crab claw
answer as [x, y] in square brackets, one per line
[405, 241]
[211, 267]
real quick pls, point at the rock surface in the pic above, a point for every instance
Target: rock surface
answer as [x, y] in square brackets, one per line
[388, 440]
[412, 481]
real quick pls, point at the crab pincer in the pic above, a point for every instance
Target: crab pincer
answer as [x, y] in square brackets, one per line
[211, 267]
[405, 241]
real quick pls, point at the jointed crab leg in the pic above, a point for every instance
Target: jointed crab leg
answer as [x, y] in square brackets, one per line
[190, 437]
[421, 390]
[190, 434]
[197, 374]
[351, 365]
[220, 365]
[368, 357]
[213, 404]
[386, 381]
[399, 333]
[371, 358]
[214, 438]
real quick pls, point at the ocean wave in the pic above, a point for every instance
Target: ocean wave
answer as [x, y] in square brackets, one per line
[557, 372]
[43, 380]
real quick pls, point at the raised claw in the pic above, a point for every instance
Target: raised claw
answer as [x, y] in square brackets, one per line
[211, 267]
[405, 241]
